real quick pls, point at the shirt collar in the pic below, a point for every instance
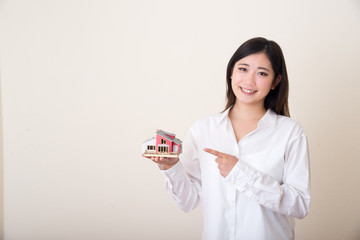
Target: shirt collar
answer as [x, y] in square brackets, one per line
[268, 119]
[224, 115]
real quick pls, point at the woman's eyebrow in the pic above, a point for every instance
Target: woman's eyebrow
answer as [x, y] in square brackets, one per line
[264, 69]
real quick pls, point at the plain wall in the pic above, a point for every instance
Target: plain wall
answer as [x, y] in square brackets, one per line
[83, 83]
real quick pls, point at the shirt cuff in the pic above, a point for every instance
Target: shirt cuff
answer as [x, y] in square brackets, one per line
[176, 172]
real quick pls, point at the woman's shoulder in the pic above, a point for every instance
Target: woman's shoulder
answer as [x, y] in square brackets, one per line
[208, 122]
[211, 119]
[290, 124]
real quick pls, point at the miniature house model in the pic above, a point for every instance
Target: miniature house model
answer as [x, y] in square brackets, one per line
[164, 144]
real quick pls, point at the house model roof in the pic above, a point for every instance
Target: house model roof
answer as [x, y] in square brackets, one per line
[169, 136]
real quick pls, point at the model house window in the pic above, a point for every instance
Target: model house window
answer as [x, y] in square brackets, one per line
[163, 141]
[151, 147]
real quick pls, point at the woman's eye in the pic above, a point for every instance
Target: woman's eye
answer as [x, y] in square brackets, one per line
[242, 69]
[263, 74]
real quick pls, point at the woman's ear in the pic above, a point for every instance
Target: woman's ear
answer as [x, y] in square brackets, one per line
[276, 82]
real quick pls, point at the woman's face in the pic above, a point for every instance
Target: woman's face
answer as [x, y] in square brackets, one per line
[252, 79]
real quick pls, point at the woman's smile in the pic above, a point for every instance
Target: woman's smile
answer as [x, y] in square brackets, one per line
[247, 91]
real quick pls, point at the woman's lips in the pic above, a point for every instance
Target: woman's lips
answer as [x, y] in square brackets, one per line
[248, 91]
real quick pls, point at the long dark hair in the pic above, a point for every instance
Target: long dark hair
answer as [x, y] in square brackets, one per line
[277, 99]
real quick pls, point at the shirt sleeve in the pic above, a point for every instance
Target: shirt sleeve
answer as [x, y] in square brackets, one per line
[183, 180]
[292, 196]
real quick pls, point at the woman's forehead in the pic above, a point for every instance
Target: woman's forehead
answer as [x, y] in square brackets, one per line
[255, 60]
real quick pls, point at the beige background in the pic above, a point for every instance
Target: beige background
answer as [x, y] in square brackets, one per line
[83, 83]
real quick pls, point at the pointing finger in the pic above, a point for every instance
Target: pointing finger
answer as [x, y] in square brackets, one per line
[214, 152]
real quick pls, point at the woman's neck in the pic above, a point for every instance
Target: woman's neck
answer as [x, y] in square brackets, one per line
[247, 112]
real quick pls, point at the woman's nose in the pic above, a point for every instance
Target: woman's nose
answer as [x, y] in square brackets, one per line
[250, 79]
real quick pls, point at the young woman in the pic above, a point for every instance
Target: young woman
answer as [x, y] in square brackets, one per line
[248, 165]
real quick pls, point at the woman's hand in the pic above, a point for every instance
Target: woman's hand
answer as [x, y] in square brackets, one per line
[164, 163]
[226, 162]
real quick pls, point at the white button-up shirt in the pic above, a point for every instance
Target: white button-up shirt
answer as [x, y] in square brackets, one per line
[269, 185]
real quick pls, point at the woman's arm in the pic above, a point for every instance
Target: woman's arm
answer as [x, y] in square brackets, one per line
[183, 178]
[290, 197]
[182, 188]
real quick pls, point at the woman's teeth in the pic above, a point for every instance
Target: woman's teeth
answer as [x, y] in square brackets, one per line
[247, 91]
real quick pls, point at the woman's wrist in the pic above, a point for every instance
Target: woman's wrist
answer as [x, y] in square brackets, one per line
[168, 166]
